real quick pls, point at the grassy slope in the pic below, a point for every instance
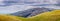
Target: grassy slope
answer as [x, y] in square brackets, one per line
[47, 16]
[8, 18]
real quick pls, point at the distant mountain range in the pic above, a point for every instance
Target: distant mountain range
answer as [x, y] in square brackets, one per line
[31, 12]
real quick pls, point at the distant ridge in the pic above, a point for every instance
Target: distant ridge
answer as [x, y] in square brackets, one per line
[31, 12]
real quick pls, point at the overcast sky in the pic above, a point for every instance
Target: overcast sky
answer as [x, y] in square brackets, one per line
[14, 8]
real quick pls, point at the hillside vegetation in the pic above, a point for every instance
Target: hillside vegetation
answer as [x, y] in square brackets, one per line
[47, 16]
